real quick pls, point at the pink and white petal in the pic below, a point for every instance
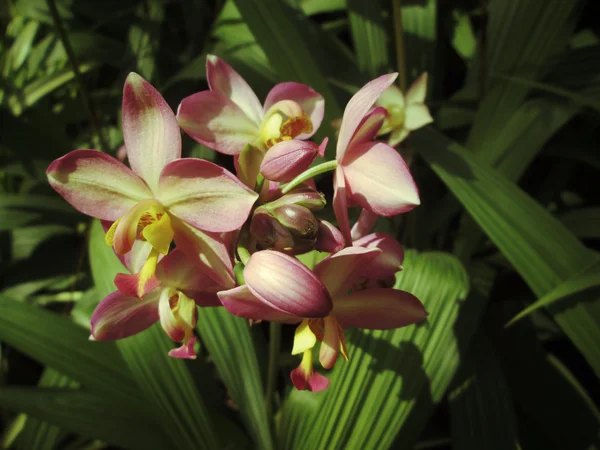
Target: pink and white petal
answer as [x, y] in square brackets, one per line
[150, 130]
[129, 284]
[207, 251]
[312, 381]
[285, 284]
[241, 302]
[119, 316]
[205, 195]
[392, 97]
[369, 126]
[311, 102]
[96, 184]
[364, 225]
[329, 238]
[135, 259]
[222, 78]
[379, 180]
[397, 136]
[416, 116]
[358, 107]
[378, 309]
[185, 351]
[339, 271]
[417, 91]
[167, 319]
[178, 271]
[215, 121]
[389, 260]
[288, 159]
[323, 147]
[330, 346]
[340, 203]
[126, 233]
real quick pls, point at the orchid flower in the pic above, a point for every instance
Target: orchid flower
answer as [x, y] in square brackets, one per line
[273, 293]
[179, 288]
[370, 174]
[229, 116]
[162, 197]
[404, 113]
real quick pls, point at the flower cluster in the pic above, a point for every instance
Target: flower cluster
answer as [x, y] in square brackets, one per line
[256, 220]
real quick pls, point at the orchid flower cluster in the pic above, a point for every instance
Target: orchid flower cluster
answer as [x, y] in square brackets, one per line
[236, 237]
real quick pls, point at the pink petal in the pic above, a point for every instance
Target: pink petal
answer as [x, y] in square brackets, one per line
[378, 179]
[369, 126]
[135, 259]
[205, 195]
[358, 107]
[217, 122]
[340, 203]
[312, 381]
[96, 184]
[378, 309]
[207, 251]
[339, 271]
[365, 223]
[285, 284]
[330, 346]
[126, 232]
[288, 159]
[150, 130]
[128, 284]
[241, 302]
[186, 351]
[119, 316]
[224, 80]
[329, 238]
[417, 91]
[311, 102]
[389, 261]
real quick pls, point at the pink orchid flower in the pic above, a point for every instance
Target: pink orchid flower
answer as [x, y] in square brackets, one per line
[229, 116]
[178, 289]
[271, 293]
[162, 197]
[370, 174]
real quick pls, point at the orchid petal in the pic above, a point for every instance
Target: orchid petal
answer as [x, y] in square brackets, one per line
[288, 159]
[417, 91]
[167, 318]
[125, 232]
[365, 223]
[286, 284]
[311, 102]
[330, 346]
[222, 78]
[392, 97]
[379, 180]
[135, 259]
[178, 271]
[129, 284]
[217, 122]
[96, 184]
[119, 316]
[159, 234]
[417, 116]
[397, 136]
[338, 272]
[205, 195]
[340, 203]
[323, 147]
[150, 130]
[185, 351]
[369, 126]
[313, 381]
[241, 302]
[329, 238]
[207, 251]
[389, 260]
[304, 338]
[378, 309]
[358, 107]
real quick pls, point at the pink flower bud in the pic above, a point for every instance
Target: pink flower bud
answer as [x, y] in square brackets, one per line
[307, 197]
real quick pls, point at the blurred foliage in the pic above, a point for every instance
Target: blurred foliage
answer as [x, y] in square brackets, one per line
[508, 227]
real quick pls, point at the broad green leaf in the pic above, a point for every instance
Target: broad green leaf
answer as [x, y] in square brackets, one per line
[481, 407]
[588, 279]
[369, 36]
[464, 40]
[88, 414]
[165, 381]
[144, 37]
[540, 248]
[21, 48]
[394, 378]
[229, 341]
[584, 222]
[419, 22]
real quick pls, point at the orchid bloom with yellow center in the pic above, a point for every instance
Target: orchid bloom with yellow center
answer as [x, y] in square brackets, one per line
[405, 113]
[162, 197]
[229, 117]
[279, 288]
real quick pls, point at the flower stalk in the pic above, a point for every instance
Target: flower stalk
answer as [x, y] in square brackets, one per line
[308, 174]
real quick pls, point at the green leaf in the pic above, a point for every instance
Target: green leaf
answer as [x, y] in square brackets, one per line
[481, 408]
[540, 248]
[144, 37]
[87, 414]
[464, 40]
[394, 378]
[419, 22]
[165, 381]
[21, 48]
[229, 341]
[369, 36]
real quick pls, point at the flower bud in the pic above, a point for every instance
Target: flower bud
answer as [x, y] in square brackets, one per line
[309, 198]
[288, 159]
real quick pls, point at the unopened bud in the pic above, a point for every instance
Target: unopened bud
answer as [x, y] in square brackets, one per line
[306, 197]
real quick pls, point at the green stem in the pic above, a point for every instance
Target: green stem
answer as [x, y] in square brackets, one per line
[274, 347]
[85, 97]
[308, 174]
[400, 53]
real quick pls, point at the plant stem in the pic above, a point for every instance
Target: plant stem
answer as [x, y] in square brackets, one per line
[274, 346]
[308, 174]
[85, 97]
[399, 36]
